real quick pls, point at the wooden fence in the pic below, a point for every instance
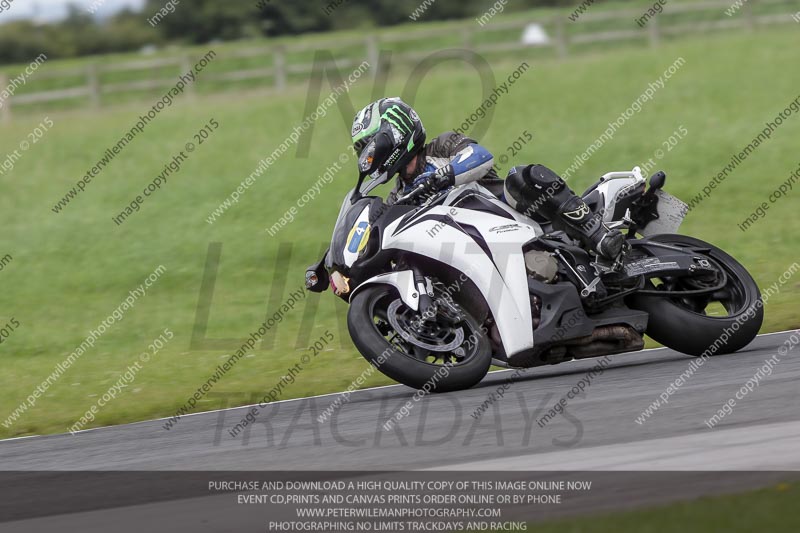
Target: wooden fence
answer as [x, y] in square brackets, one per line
[275, 76]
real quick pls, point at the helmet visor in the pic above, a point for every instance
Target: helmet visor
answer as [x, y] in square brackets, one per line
[373, 157]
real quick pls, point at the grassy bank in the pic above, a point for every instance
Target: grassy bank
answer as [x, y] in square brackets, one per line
[72, 269]
[770, 509]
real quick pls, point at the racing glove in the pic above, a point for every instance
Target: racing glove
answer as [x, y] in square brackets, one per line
[434, 181]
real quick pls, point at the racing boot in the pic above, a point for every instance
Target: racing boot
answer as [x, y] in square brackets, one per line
[535, 189]
[578, 221]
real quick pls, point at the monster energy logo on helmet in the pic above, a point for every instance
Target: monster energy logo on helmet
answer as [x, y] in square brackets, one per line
[399, 118]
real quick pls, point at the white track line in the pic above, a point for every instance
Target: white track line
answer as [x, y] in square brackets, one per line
[766, 447]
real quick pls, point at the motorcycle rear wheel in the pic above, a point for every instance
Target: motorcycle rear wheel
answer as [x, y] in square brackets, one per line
[688, 324]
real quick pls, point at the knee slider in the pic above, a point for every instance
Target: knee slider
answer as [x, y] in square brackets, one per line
[541, 177]
[537, 189]
[547, 191]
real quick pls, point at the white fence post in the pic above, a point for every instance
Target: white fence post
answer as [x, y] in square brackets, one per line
[93, 84]
[654, 33]
[186, 66]
[279, 68]
[373, 54]
[749, 19]
[562, 44]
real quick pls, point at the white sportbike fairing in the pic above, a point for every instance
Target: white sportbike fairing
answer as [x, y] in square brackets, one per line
[438, 292]
[490, 255]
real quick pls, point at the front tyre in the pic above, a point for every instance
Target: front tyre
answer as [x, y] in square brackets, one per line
[721, 322]
[446, 351]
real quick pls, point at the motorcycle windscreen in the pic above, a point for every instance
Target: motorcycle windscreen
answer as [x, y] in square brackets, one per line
[351, 233]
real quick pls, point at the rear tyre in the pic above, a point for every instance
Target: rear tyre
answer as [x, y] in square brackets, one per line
[437, 354]
[722, 322]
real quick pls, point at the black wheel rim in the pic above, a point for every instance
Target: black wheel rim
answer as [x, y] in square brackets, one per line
[727, 301]
[455, 344]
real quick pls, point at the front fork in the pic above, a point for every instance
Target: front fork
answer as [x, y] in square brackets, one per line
[425, 290]
[431, 306]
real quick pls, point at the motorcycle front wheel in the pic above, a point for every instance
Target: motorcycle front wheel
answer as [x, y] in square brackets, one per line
[444, 352]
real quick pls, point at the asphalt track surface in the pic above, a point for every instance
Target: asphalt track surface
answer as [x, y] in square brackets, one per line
[597, 432]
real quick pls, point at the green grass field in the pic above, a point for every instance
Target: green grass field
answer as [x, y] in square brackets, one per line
[71, 270]
[769, 509]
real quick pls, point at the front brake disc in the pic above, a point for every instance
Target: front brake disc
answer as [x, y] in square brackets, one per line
[403, 331]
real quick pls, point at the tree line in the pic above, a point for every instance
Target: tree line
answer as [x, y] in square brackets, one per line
[202, 21]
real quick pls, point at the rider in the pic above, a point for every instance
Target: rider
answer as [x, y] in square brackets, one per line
[452, 159]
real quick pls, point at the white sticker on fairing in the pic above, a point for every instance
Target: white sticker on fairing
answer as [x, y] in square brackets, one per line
[464, 154]
[360, 227]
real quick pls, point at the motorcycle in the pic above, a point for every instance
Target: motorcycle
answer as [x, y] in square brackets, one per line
[439, 292]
